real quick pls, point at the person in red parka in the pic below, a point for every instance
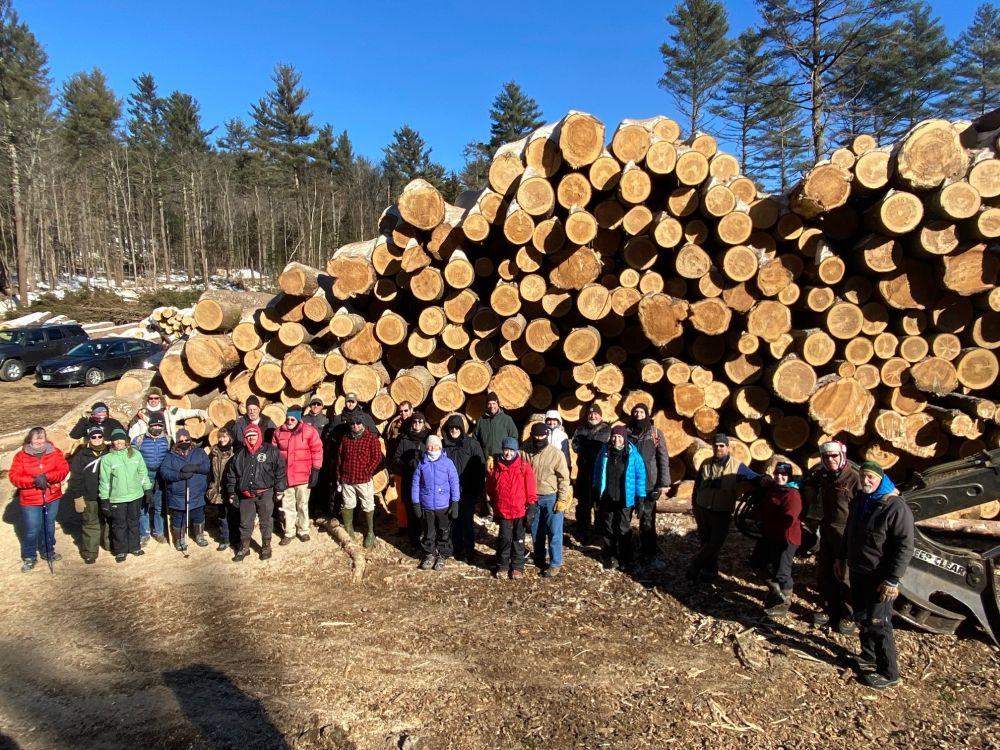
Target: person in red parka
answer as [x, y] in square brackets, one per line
[511, 489]
[781, 535]
[37, 471]
[302, 449]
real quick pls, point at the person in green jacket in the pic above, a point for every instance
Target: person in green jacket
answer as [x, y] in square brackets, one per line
[493, 426]
[124, 483]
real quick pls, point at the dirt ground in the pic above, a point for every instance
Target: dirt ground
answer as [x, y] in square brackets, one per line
[168, 652]
[24, 405]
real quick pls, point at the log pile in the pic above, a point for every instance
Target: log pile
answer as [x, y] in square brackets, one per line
[639, 267]
[170, 322]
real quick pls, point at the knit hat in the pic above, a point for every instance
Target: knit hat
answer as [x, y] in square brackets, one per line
[872, 468]
[156, 417]
[182, 434]
[830, 448]
[595, 409]
[95, 431]
[118, 434]
[539, 429]
[352, 419]
[294, 412]
[252, 400]
[433, 440]
[251, 429]
[492, 396]
[783, 467]
[417, 415]
[100, 406]
[508, 443]
[620, 430]
[720, 439]
[553, 414]
[639, 406]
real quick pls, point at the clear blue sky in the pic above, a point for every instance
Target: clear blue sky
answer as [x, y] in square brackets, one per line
[371, 66]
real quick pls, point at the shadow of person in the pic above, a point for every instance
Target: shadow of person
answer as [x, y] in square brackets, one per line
[226, 716]
[7, 743]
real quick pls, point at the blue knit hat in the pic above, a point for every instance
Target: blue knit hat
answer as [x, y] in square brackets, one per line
[508, 443]
[295, 412]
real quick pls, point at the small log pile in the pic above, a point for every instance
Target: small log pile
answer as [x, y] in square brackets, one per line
[170, 322]
[642, 267]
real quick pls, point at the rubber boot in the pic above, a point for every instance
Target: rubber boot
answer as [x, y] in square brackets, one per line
[179, 534]
[778, 602]
[199, 535]
[265, 549]
[347, 519]
[244, 551]
[370, 533]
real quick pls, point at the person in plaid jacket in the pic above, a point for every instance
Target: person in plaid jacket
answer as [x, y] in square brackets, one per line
[359, 455]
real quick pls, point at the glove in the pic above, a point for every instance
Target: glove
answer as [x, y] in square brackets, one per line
[279, 496]
[453, 511]
[105, 506]
[149, 496]
[235, 500]
[313, 478]
[561, 506]
[186, 472]
[531, 514]
[79, 505]
[888, 591]
[41, 482]
[418, 512]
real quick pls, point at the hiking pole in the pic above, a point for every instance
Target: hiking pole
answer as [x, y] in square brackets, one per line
[187, 520]
[45, 536]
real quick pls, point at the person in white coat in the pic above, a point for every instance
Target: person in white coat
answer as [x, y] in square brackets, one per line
[172, 416]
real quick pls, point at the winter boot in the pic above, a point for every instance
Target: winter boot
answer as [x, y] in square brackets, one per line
[347, 519]
[427, 563]
[179, 533]
[28, 564]
[370, 525]
[223, 546]
[265, 549]
[199, 535]
[439, 563]
[244, 551]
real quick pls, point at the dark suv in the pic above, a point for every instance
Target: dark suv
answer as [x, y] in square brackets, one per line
[23, 348]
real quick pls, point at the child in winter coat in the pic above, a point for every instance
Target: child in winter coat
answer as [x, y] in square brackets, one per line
[781, 536]
[435, 493]
[37, 471]
[229, 519]
[511, 489]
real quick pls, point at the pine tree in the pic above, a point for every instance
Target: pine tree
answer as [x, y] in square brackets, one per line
[450, 187]
[343, 155]
[818, 39]
[694, 58]
[182, 125]
[922, 52]
[784, 148]
[475, 172]
[976, 86]
[407, 158]
[90, 112]
[745, 96]
[281, 128]
[24, 101]
[512, 116]
[144, 126]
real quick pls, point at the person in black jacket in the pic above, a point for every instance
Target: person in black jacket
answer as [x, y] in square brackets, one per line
[467, 455]
[84, 478]
[409, 449]
[99, 417]
[254, 478]
[319, 498]
[878, 545]
[652, 447]
[587, 442]
[254, 417]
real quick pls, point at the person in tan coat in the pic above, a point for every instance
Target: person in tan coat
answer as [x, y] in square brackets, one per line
[548, 463]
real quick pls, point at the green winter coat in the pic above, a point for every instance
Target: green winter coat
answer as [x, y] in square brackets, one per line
[491, 430]
[124, 477]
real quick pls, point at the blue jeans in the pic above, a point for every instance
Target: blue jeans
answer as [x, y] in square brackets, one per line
[157, 507]
[32, 538]
[547, 527]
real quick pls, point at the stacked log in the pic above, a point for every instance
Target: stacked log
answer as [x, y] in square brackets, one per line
[637, 267]
[170, 322]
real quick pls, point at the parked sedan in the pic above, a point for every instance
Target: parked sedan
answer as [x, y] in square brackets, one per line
[93, 362]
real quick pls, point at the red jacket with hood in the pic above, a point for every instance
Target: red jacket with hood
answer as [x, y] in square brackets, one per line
[26, 466]
[511, 488]
[302, 450]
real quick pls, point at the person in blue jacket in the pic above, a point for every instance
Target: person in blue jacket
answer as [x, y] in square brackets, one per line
[153, 445]
[435, 494]
[619, 486]
[185, 471]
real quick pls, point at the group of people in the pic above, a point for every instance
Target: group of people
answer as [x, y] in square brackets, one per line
[125, 483]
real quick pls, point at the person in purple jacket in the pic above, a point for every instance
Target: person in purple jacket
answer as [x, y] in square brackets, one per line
[435, 493]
